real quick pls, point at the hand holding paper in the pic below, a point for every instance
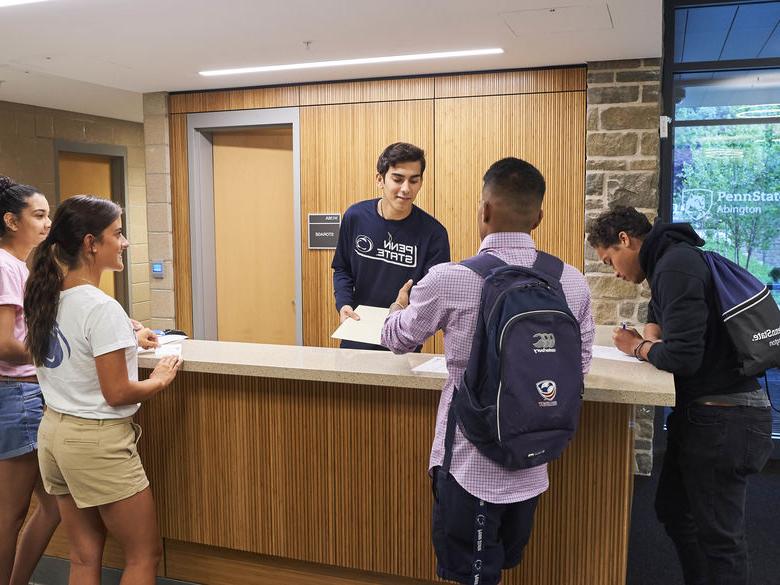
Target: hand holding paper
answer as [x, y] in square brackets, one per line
[368, 329]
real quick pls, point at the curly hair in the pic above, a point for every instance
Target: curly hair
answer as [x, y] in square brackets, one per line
[605, 229]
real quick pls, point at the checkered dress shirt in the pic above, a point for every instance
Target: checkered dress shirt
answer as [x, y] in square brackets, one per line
[448, 299]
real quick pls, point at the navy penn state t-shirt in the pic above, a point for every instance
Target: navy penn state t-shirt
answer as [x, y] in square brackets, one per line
[376, 256]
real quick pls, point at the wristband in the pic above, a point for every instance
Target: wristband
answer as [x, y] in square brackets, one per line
[638, 348]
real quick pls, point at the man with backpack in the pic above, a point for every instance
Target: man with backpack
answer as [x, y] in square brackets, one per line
[486, 486]
[719, 431]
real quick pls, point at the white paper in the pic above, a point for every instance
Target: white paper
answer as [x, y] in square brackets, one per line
[367, 330]
[171, 349]
[163, 340]
[437, 365]
[612, 353]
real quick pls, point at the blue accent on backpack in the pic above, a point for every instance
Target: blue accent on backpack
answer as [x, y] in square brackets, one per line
[749, 313]
[520, 398]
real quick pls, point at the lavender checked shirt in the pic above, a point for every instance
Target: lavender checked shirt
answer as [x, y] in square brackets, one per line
[448, 298]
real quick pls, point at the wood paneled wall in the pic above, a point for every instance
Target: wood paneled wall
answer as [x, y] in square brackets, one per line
[335, 173]
[464, 123]
[234, 99]
[547, 130]
[180, 215]
[336, 475]
[313, 473]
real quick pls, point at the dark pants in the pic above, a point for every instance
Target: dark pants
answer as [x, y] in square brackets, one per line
[473, 539]
[711, 451]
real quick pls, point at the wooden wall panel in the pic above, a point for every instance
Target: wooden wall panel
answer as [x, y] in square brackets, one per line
[511, 82]
[336, 475]
[180, 204]
[308, 471]
[547, 130]
[339, 144]
[215, 566]
[380, 90]
[234, 99]
[339, 148]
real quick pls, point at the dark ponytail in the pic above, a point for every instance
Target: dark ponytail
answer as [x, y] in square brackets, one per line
[13, 198]
[75, 218]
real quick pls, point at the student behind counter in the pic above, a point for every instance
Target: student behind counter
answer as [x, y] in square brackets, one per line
[386, 242]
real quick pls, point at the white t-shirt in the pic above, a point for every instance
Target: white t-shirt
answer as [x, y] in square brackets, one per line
[89, 324]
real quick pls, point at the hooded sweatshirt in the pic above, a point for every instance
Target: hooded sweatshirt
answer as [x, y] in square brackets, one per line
[696, 347]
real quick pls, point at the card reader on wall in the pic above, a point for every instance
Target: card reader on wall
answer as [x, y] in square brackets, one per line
[157, 269]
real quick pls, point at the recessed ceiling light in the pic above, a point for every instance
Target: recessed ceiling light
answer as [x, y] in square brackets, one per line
[4, 3]
[346, 62]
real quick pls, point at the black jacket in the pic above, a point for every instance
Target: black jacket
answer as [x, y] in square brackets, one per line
[696, 347]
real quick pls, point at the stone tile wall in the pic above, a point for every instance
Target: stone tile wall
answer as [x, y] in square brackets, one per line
[158, 185]
[623, 169]
[27, 135]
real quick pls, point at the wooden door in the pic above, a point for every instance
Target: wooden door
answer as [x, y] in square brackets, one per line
[254, 235]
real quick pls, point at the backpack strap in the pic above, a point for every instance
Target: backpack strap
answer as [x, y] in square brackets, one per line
[482, 264]
[549, 265]
[449, 437]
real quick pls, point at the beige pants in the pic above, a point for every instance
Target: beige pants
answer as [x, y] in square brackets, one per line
[95, 461]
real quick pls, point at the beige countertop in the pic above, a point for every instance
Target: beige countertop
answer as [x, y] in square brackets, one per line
[608, 380]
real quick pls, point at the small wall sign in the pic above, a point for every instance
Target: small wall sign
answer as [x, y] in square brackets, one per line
[324, 230]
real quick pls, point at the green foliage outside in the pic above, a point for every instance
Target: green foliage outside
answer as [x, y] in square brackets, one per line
[713, 163]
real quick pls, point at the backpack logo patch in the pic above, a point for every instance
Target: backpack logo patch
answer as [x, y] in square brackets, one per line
[545, 343]
[547, 390]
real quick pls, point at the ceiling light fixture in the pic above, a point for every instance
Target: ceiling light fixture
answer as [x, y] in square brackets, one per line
[346, 62]
[4, 3]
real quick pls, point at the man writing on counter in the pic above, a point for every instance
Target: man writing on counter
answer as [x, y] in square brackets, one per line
[483, 512]
[387, 242]
[719, 431]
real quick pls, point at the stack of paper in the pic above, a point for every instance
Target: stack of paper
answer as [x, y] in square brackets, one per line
[611, 353]
[164, 340]
[437, 365]
[367, 330]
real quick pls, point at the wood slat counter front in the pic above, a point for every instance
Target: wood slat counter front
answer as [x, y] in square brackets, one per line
[280, 464]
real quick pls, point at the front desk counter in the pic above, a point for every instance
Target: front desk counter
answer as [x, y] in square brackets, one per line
[281, 464]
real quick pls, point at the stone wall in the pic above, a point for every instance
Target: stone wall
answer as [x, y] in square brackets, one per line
[27, 135]
[622, 169]
[158, 184]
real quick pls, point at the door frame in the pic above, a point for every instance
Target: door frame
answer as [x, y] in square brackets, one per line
[200, 131]
[117, 156]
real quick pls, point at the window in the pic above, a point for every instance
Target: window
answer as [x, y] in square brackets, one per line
[721, 162]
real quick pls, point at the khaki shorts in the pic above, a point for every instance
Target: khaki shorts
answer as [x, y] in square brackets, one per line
[95, 461]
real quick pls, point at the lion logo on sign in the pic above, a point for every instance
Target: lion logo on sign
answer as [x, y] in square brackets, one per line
[696, 203]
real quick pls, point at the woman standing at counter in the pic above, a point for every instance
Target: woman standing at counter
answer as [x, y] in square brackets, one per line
[24, 223]
[84, 349]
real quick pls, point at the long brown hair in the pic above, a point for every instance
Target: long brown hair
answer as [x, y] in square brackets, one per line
[75, 218]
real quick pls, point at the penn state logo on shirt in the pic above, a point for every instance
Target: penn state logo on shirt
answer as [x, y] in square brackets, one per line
[547, 389]
[58, 343]
[390, 251]
[363, 245]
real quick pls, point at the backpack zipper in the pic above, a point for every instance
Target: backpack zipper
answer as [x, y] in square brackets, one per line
[501, 347]
[510, 289]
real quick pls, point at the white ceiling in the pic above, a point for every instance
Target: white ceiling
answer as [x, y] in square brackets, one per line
[98, 56]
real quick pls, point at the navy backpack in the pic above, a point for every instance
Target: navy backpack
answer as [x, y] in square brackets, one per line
[520, 398]
[749, 313]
